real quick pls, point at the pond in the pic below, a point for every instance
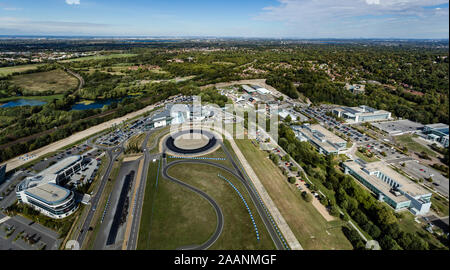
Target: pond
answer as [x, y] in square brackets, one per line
[23, 102]
[89, 104]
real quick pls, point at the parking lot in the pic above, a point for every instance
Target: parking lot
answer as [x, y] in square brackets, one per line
[19, 233]
[420, 171]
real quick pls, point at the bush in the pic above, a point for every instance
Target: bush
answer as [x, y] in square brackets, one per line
[334, 211]
[291, 180]
[306, 196]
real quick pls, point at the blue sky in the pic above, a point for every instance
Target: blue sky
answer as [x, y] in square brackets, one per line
[232, 18]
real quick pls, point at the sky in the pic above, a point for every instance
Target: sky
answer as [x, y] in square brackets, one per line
[230, 18]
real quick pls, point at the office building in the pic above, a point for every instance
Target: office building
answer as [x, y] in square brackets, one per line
[361, 114]
[44, 191]
[390, 186]
[437, 133]
[325, 141]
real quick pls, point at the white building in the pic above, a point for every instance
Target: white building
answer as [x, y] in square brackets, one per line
[44, 192]
[390, 186]
[361, 114]
[325, 141]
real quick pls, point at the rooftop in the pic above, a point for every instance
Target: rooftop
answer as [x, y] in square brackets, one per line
[55, 169]
[406, 185]
[49, 193]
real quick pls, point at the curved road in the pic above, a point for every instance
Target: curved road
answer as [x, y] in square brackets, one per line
[216, 207]
[250, 191]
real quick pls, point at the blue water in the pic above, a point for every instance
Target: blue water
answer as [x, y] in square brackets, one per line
[23, 102]
[95, 105]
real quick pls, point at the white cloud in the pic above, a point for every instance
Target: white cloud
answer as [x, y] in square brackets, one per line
[354, 18]
[73, 2]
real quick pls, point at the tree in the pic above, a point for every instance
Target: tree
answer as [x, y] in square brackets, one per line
[334, 211]
[292, 180]
[306, 196]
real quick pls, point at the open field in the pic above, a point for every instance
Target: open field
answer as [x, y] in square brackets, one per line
[56, 80]
[309, 227]
[5, 71]
[173, 217]
[100, 57]
[408, 141]
[238, 231]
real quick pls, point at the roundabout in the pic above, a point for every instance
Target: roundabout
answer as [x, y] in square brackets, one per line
[191, 142]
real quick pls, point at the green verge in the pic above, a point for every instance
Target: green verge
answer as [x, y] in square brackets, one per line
[309, 227]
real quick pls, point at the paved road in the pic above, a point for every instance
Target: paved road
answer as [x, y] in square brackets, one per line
[214, 204]
[138, 203]
[112, 154]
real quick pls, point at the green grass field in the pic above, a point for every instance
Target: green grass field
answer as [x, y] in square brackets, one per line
[55, 80]
[407, 140]
[238, 232]
[310, 228]
[167, 216]
[5, 71]
[100, 57]
[173, 217]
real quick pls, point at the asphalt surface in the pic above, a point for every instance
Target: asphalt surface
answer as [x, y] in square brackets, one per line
[107, 225]
[112, 154]
[138, 203]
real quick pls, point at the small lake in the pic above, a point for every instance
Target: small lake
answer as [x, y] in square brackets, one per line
[23, 102]
[86, 105]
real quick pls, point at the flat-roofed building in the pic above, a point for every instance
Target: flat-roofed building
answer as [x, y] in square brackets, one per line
[390, 186]
[325, 141]
[261, 90]
[361, 114]
[2, 173]
[399, 127]
[44, 191]
[248, 89]
[437, 133]
[355, 88]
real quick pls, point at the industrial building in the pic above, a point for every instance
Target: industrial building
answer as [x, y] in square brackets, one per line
[361, 114]
[261, 90]
[44, 191]
[2, 173]
[325, 141]
[437, 133]
[390, 186]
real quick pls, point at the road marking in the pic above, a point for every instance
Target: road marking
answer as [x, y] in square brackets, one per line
[4, 219]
